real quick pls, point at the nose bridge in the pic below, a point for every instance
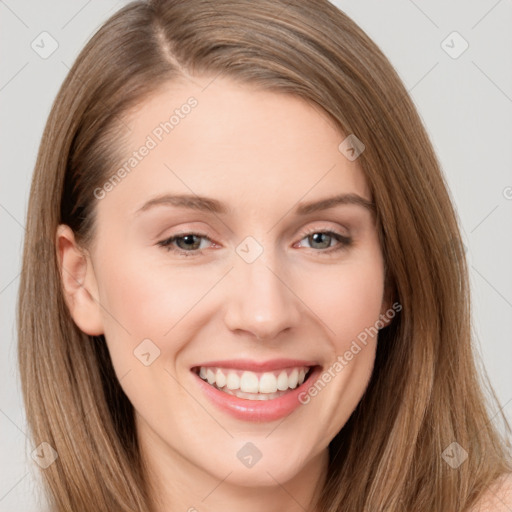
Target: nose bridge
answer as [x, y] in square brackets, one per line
[259, 300]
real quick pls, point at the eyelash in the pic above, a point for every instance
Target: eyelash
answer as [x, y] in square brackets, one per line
[344, 242]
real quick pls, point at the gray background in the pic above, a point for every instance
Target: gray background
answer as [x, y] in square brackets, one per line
[465, 102]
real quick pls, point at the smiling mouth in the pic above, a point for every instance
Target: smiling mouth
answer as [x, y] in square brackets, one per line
[251, 385]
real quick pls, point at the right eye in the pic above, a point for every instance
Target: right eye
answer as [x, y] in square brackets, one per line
[189, 241]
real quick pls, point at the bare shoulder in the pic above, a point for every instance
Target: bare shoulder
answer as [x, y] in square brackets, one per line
[498, 498]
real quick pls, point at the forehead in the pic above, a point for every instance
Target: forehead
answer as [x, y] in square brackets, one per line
[217, 137]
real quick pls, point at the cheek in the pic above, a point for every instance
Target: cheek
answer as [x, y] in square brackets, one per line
[152, 297]
[348, 300]
[148, 297]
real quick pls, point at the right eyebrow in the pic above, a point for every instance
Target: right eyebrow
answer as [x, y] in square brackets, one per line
[192, 202]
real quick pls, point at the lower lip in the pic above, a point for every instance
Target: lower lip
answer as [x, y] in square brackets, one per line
[258, 410]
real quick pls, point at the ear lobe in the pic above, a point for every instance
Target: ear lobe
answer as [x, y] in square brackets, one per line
[78, 283]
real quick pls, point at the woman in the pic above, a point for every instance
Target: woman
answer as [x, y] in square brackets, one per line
[173, 353]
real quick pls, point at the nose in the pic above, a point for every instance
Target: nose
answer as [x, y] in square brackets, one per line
[261, 299]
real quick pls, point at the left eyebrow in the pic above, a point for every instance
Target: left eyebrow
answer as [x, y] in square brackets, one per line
[330, 202]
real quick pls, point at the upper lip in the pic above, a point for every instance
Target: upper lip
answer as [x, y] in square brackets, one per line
[257, 366]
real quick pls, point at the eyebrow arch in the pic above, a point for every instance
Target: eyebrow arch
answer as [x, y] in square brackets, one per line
[330, 202]
[192, 202]
[207, 204]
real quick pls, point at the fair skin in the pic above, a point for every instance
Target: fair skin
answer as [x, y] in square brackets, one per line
[262, 154]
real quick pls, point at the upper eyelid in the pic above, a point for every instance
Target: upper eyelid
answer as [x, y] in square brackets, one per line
[338, 226]
[347, 221]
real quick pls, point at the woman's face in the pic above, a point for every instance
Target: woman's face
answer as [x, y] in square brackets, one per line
[258, 277]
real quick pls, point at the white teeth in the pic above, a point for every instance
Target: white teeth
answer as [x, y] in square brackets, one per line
[249, 382]
[293, 379]
[252, 383]
[268, 383]
[233, 381]
[282, 381]
[220, 379]
[210, 376]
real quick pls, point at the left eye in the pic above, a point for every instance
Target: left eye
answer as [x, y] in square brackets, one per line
[319, 237]
[189, 244]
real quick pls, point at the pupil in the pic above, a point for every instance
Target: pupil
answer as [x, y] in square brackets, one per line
[189, 240]
[315, 237]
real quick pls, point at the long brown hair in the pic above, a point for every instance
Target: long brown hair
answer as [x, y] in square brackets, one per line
[425, 392]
